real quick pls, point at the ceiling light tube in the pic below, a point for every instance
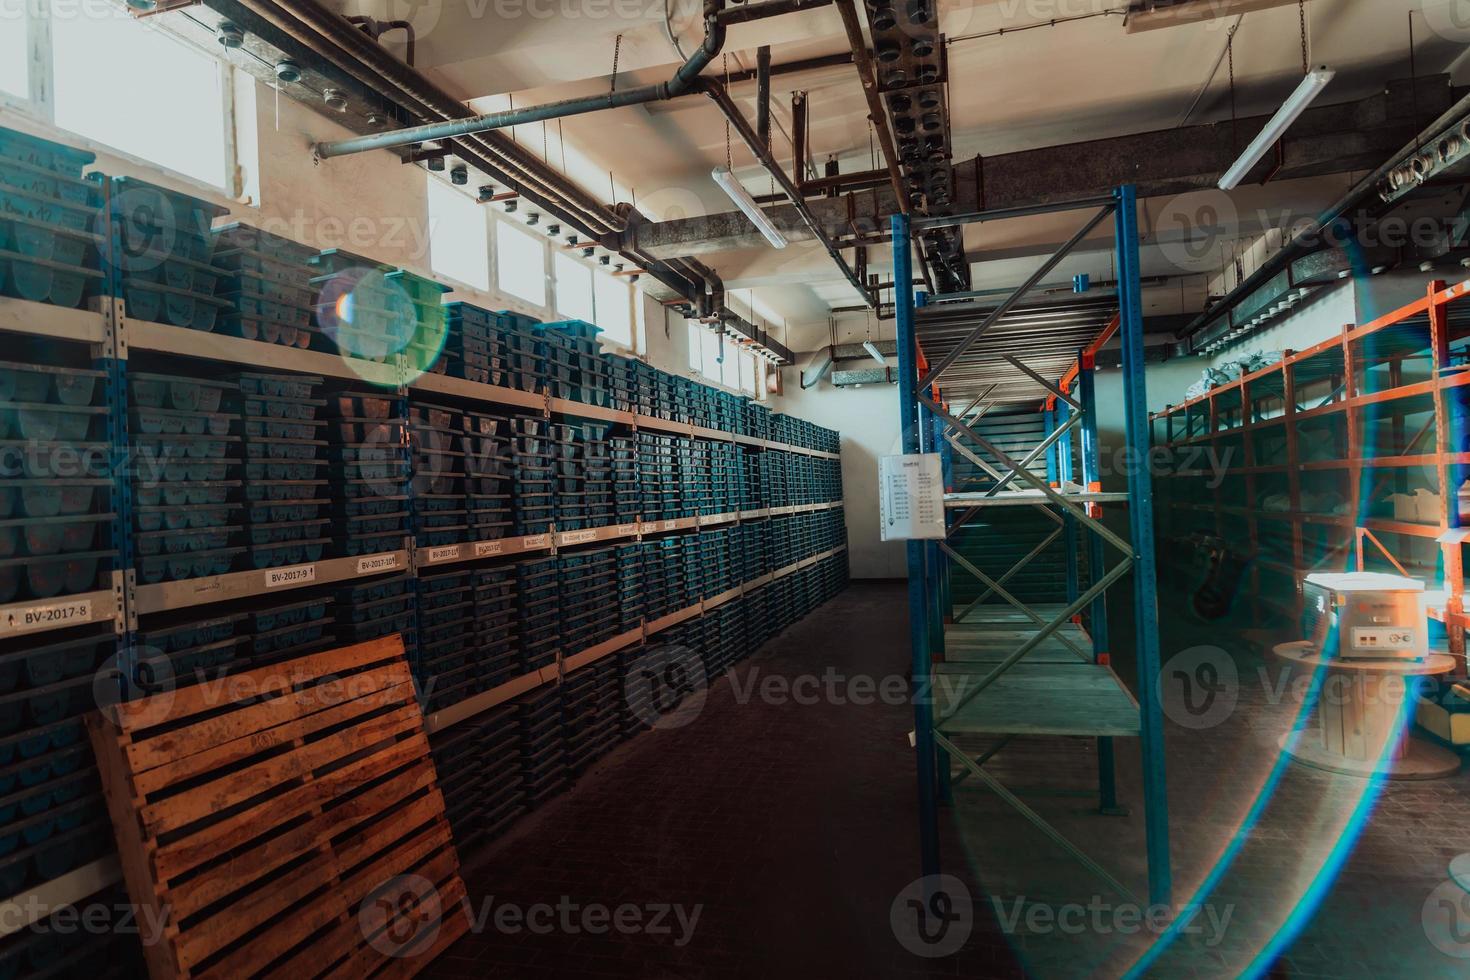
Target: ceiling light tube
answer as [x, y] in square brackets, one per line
[872, 348]
[1297, 103]
[747, 206]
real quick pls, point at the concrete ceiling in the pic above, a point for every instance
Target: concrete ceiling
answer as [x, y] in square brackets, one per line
[1082, 80]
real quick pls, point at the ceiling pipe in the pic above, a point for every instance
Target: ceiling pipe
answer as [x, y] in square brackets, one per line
[375, 29]
[738, 122]
[312, 25]
[350, 49]
[763, 94]
[340, 47]
[818, 63]
[747, 12]
[682, 82]
[798, 137]
[555, 194]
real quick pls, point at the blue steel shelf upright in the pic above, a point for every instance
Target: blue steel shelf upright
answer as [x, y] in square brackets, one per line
[1045, 671]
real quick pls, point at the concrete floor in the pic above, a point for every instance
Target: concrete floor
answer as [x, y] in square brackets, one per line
[775, 833]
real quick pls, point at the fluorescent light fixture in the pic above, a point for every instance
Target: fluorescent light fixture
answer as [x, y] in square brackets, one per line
[747, 206]
[1290, 110]
[872, 348]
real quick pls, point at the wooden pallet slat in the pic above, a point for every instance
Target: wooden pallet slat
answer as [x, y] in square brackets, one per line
[204, 746]
[262, 813]
[238, 786]
[175, 857]
[274, 852]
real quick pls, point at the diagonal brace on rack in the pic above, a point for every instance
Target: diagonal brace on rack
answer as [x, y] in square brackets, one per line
[999, 587]
[1010, 301]
[1054, 389]
[974, 457]
[1036, 452]
[1035, 818]
[1032, 642]
[1060, 500]
[1014, 569]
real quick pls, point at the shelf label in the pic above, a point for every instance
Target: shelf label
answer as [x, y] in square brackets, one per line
[670, 525]
[626, 530]
[292, 575]
[579, 537]
[377, 563]
[485, 549]
[448, 552]
[911, 497]
[50, 615]
[532, 542]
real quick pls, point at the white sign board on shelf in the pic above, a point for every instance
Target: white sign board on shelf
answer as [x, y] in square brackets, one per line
[911, 497]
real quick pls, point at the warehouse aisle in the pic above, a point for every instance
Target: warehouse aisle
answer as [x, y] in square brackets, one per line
[771, 834]
[781, 816]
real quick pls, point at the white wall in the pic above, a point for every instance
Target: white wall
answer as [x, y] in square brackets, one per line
[1323, 316]
[868, 420]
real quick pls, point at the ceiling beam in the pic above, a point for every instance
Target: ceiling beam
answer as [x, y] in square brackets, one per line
[1332, 139]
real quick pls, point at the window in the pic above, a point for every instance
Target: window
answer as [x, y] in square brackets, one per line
[573, 288]
[120, 82]
[520, 263]
[738, 370]
[459, 239]
[747, 372]
[14, 44]
[711, 367]
[696, 346]
[614, 297]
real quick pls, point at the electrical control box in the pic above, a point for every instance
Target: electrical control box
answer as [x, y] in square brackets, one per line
[1366, 615]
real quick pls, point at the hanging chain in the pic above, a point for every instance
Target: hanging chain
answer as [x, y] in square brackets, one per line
[544, 158]
[725, 62]
[1301, 9]
[561, 142]
[1230, 54]
[617, 50]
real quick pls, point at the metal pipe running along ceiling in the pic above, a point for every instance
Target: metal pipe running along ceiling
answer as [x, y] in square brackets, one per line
[683, 82]
[337, 41]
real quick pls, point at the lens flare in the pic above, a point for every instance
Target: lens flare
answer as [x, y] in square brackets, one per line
[384, 318]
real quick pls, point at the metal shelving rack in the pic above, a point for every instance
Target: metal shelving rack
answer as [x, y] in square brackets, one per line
[1358, 394]
[112, 337]
[1033, 670]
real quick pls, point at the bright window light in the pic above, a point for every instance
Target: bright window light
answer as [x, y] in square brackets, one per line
[14, 63]
[747, 372]
[696, 346]
[614, 308]
[730, 370]
[459, 241]
[711, 368]
[520, 263]
[129, 86]
[573, 288]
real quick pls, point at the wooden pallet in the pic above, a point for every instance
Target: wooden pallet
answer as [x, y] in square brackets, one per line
[286, 819]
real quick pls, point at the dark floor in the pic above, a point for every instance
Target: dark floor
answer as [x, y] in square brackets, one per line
[784, 819]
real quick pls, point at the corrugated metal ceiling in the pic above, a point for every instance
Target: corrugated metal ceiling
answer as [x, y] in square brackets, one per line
[1046, 339]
